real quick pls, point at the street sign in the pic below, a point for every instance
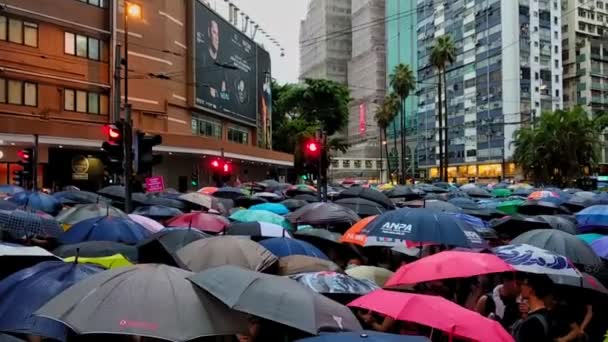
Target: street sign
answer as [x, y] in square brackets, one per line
[155, 184]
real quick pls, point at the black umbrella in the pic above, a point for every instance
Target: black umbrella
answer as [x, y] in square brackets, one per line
[294, 204]
[562, 243]
[113, 192]
[559, 223]
[323, 214]
[470, 207]
[361, 206]
[476, 192]
[275, 298]
[160, 248]
[157, 212]
[79, 197]
[14, 258]
[307, 197]
[464, 203]
[165, 202]
[441, 206]
[404, 192]
[248, 201]
[428, 188]
[576, 203]
[314, 235]
[147, 300]
[96, 249]
[512, 226]
[540, 207]
[368, 194]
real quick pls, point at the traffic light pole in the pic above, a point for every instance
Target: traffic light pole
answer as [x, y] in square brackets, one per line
[128, 127]
[35, 164]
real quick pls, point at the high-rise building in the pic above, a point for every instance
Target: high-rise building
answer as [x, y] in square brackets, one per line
[585, 55]
[325, 40]
[508, 70]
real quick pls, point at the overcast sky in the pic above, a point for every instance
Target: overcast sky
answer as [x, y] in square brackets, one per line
[281, 19]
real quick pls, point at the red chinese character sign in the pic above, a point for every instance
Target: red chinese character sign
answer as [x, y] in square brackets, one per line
[362, 114]
[155, 184]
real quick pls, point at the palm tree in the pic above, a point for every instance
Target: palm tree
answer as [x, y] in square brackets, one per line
[385, 114]
[442, 55]
[403, 82]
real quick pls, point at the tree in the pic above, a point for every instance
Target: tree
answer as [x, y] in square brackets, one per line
[385, 114]
[557, 149]
[443, 54]
[403, 82]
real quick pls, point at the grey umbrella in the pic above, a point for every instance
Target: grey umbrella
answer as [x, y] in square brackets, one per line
[81, 212]
[323, 213]
[562, 243]
[21, 223]
[476, 192]
[225, 250]
[363, 207]
[276, 298]
[442, 206]
[145, 300]
[559, 223]
[294, 264]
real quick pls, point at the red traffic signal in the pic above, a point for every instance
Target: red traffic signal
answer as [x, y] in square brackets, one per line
[312, 148]
[112, 133]
[24, 155]
[227, 168]
[215, 164]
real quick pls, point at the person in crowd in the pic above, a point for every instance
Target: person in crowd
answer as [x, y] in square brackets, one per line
[500, 304]
[570, 318]
[535, 326]
[387, 324]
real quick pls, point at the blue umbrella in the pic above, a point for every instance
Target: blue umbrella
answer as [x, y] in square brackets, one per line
[37, 200]
[283, 247]
[105, 228]
[6, 205]
[592, 218]
[363, 336]
[10, 189]
[158, 211]
[26, 291]
[424, 225]
[479, 225]
[21, 223]
[277, 208]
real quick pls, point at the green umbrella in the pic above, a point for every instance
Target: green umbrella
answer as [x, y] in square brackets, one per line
[501, 192]
[509, 207]
[589, 238]
[260, 216]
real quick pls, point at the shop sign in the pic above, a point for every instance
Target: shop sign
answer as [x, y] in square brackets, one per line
[155, 184]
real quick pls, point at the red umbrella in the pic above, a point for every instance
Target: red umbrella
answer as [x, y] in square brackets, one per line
[205, 222]
[442, 266]
[435, 312]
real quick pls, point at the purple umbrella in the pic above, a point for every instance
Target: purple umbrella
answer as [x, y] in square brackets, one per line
[600, 247]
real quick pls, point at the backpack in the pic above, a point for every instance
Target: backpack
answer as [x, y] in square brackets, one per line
[516, 329]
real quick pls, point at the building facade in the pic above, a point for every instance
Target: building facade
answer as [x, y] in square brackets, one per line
[585, 56]
[56, 81]
[508, 70]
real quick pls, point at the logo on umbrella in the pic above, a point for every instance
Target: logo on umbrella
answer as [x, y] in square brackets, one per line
[396, 228]
[473, 237]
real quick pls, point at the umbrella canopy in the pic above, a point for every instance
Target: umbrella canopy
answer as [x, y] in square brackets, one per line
[205, 222]
[6, 205]
[509, 207]
[590, 237]
[268, 196]
[81, 212]
[404, 192]
[275, 298]
[96, 249]
[20, 223]
[276, 208]
[520, 186]
[593, 218]
[79, 197]
[428, 188]
[323, 213]
[362, 207]
[113, 192]
[136, 301]
[229, 192]
[541, 207]
[540, 194]
[364, 336]
[335, 283]
[260, 216]
[576, 203]
[9, 190]
[257, 230]
[37, 201]
[208, 190]
[436, 312]
[310, 198]
[225, 250]
[105, 228]
[440, 266]
[524, 193]
[248, 201]
[283, 247]
[165, 200]
[357, 235]
[294, 204]
[205, 201]
[476, 192]
[480, 226]
[368, 194]
[560, 243]
[501, 192]
[160, 248]
[422, 226]
[28, 290]
[313, 235]
[559, 223]
[600, 247]
[107, 262]
[587, 283]
[531, 259]
[16, 257]
[441, 206]
[464, 203]
[157, 212]
[376, 274]
[300, 189]
[148, 223]
[294, 264]
[512, 226]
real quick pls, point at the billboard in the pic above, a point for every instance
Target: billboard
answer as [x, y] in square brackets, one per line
[225, 67]
[264, 98]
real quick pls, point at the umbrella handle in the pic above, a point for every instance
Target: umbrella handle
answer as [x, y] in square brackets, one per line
[77, 255]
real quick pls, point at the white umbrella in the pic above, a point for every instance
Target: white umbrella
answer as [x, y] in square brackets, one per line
[530, 259]
[148, 223]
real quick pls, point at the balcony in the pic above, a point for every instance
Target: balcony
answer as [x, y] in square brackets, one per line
[599, 100]
[581, 86]
[597, 86]
[581, 72]
[581, 101]
[581, 58]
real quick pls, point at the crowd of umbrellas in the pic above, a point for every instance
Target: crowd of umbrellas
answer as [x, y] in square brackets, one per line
[198, 265]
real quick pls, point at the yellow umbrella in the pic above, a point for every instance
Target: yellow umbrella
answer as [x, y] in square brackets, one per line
[386, 187]
[113, 261]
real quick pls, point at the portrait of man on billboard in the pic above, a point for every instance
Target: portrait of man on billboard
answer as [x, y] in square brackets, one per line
[217, 81]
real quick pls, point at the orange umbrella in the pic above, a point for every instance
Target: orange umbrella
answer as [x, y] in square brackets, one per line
[208, 190]
[353, 234]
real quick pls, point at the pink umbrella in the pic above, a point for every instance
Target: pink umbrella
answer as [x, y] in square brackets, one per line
[435, 312]
[208, 223]
[148, 223]
[442, 266]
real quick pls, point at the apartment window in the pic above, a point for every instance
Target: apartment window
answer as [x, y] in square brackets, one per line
[83, 46]
[238, 135]
[18, 92]
[98, 3]
[556, 62]
[600, 5]
[85, 102]
[19, 31]
[207, 127]
[346, 164]
[556, 49]
[556, 78]
[556, 92]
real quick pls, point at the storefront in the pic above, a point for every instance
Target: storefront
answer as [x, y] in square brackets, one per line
[483, 173]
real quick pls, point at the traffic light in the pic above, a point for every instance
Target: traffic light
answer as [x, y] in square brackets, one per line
[312, 149]
[26, 161]
[221, 171]
[194, 179]
[114, 147]
[312, 154]
[145, 158]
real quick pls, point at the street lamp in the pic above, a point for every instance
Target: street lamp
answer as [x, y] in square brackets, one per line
[133, 10]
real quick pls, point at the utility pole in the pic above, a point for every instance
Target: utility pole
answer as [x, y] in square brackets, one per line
[117, 70]
[35, 165]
